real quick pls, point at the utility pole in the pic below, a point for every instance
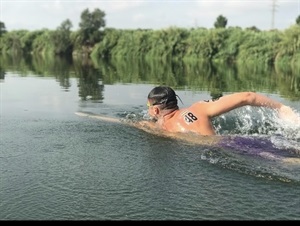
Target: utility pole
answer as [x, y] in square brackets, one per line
[274, 5]
[196, 23]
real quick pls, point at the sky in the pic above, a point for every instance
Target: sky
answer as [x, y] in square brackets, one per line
[151, 14]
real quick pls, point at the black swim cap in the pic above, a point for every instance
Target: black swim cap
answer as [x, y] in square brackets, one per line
[163, 95]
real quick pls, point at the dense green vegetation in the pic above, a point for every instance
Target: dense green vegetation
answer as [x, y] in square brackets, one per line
[231, 45]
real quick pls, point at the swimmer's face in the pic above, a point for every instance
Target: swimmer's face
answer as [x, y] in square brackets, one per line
[153, 110]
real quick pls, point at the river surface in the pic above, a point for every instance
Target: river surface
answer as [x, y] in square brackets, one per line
[56, 165]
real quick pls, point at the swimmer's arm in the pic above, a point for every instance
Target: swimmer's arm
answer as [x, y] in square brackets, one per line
[236, 100]
[144, 124]
[149, 124]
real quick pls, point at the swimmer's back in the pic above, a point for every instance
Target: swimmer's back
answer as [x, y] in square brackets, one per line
[190, 119]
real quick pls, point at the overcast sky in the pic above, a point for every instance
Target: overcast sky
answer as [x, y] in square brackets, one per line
[154, 14]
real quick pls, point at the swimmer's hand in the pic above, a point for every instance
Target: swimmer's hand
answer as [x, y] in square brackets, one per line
[288, 114]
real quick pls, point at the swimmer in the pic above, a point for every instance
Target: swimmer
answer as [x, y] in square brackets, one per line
[163, 108]
[188, 123]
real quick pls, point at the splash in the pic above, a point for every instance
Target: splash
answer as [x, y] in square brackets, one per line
[256, 121]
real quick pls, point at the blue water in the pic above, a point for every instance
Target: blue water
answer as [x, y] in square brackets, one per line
[57, 165]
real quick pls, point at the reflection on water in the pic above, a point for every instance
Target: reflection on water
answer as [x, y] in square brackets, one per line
[57, 165]
[216, 79]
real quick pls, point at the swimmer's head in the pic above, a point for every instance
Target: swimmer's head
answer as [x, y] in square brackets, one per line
[164, 97]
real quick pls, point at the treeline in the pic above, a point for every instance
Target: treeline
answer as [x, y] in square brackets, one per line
[232, 45]
[220, 44]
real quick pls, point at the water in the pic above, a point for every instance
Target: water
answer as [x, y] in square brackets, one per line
[55, 165]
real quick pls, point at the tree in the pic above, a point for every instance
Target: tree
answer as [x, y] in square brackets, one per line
[90, 26]
[2, 28]
[61, 38]
[65, 26]
[253, 28]
[221, 22]
[298, 20]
